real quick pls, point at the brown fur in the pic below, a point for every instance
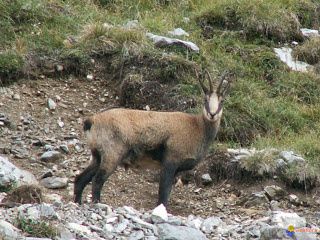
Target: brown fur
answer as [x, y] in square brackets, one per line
[115, 130]
[175, 141]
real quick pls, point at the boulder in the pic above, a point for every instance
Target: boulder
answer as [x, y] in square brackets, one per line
[167, 231]
[10, 175]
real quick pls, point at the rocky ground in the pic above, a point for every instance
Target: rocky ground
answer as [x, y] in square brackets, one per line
[40, 131]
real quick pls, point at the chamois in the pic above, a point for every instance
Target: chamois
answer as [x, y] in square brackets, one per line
[176, 141]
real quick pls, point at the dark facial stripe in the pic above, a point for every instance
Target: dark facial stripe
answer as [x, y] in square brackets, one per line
[207, 107]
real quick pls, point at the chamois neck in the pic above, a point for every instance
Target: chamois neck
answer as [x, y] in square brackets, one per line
[210, 127]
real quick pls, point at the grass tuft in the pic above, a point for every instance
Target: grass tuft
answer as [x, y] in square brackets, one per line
[309, 51]
[38, 229]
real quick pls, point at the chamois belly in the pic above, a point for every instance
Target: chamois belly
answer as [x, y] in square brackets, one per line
[144, 158]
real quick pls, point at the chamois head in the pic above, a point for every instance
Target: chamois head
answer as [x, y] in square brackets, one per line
[213, 100]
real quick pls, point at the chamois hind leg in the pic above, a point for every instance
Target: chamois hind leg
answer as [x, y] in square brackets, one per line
[107, 167]
[82, 180]
[166, 181]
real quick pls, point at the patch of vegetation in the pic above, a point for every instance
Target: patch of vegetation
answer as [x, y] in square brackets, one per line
[40, 229]
[308, 52]
[262, 163]
[25, 194]
[11, 65]
[269, 19]
[9, 187]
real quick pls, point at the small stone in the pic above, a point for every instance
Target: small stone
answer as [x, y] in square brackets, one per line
[167, 231]
[121, 226]
[206, 179]
[78, 228]
[194, 222]
[274, 205]
[210, 224]
[16, 96]
[159, 214]
[178, 32]
[294, 199]
[284, 220]
[108, 228]
[51, 104]
[59, 68]
[54, 182]
[256, 199]
[58, 98]
[51, 156]
[274, 192]
[48, 147]
[60, 123]
[290, 157]
[65, 148]
[89, 77]
[8, 231]
[132, 24]
[136, 235]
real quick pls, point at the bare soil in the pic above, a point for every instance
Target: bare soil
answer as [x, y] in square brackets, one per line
[78, 98]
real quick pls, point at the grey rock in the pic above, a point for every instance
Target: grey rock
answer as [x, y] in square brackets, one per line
[78, 228]
[54, 182]
[51, 104]
[194, 221]
[274, 192]
[65, 233]
[108, 228]
[273, 232]
[159, 214]
[275, 205]
[206, 179]
[37, 212]
[48, 147]
[294, 199]
[136, 235]
[167, 231]
[132, 24]
[121, 226]
[284, 220]
[51, 156]
[256, 199]
[306, 235]
[210, 224]
[290, 157]
[65, 148]
[280, 163]
[16, 96]
[310, 32]
[8, 231]
[165, 41]
[178, 32]
[12, 175]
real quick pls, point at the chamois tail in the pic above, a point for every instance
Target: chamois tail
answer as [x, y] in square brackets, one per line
[87, 124]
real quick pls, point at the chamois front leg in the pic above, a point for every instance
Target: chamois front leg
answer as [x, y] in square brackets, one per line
[166, 181]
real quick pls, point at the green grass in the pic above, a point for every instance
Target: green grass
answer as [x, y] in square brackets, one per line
[269, 105]
[39, 229]
[309, 52]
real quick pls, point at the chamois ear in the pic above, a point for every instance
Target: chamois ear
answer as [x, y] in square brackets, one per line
[224, 85]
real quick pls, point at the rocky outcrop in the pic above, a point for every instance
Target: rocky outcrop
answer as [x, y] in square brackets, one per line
[10, 175]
